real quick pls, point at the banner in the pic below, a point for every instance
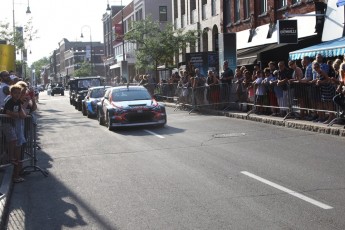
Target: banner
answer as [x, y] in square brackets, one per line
[7, 57]
[287, 32]
[118, 32]
[204, 61]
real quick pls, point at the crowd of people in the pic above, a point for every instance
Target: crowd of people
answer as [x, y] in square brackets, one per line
[316, 88]
[17, 100]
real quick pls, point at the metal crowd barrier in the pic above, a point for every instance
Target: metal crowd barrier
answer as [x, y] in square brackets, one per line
[295, 100]
[28, 149]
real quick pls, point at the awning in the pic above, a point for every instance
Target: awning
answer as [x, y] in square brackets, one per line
[114, 66]
[250, 56]
[331, 48]
[340, 3]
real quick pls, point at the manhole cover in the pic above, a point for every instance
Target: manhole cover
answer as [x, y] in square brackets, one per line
[223, 135]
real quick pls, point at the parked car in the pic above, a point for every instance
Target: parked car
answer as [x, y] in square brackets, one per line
[93, 96]
[125, 106]
[58, 89]
[78, 88]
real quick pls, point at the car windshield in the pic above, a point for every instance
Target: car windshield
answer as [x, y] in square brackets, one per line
[87, 83]
[97, 93]
[130, 95]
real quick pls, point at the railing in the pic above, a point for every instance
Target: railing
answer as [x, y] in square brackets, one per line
[296, 100]
[19, 136]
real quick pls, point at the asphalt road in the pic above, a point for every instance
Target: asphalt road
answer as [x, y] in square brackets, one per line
[199, 172]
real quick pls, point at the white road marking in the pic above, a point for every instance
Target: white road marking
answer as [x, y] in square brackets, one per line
[293, 193]
[150, 132]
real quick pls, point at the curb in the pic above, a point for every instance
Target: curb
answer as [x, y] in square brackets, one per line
[5, 194]
[295, 124]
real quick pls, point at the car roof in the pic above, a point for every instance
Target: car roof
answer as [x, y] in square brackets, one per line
[131, 87]
[99, 87]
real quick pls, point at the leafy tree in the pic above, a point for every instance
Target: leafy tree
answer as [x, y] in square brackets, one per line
[157, 44]
[37, 66]
[83, 71]
[7, 34]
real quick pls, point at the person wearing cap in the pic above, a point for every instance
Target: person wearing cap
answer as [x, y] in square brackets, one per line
[14, 79]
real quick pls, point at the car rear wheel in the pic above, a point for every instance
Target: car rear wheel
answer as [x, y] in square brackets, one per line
[83, 110]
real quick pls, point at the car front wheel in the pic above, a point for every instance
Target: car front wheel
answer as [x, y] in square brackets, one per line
[108, 122]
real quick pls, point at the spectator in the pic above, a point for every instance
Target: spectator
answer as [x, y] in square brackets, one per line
[272, 67]
[297, 90]
[199, 87]
[226, 78]
[13, 108]
[327, 93]
[213, 88]
[260, 91]
[272, 99]
[284, 75]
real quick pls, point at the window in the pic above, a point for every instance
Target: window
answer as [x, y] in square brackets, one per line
[163, 14]
[263, 6]
[227, 12]
[295, 1]
[139, 15]
[281, 3]
[237, 10]
[246, 8]
[214, 7]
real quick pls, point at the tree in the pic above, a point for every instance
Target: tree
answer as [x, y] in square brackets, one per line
[157, 44]
[83, 71]
[17, 39]
[37, 66]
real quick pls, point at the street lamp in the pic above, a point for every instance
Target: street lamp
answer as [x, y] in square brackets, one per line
[81, 35]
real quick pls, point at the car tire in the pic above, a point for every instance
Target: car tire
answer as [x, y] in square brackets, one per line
[108, 122]
[100, 118]
[83, 110]
[88, 114]
[79, 106]
[52, 94]
[62, 94]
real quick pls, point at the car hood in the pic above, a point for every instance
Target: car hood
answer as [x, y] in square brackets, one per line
[139, 103]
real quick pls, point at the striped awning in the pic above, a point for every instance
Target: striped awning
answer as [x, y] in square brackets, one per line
[340, 3]
[331, 48]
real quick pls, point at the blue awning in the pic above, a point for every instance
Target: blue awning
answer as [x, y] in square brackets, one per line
[331, 48]
[340, 3]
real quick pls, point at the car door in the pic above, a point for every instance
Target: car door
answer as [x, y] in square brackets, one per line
[106, 102]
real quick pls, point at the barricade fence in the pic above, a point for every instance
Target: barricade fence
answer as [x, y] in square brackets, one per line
[24, 131]
[297, 100]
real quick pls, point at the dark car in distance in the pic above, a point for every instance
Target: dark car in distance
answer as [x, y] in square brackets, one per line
[58, 89]
[125, 106]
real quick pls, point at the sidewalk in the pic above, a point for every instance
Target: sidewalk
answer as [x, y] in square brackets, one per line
[335, 129]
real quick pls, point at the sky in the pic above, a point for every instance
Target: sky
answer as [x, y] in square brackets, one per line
[57, 19]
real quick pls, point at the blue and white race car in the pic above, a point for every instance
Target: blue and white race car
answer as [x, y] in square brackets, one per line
[94, 95]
